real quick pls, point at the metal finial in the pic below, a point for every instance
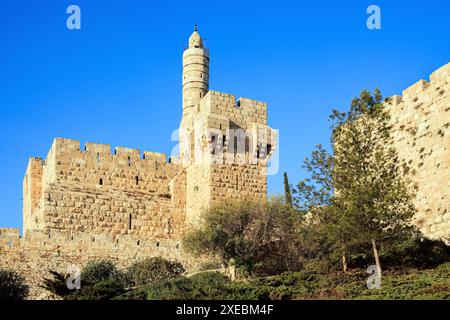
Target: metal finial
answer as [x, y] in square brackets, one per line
[195, 27]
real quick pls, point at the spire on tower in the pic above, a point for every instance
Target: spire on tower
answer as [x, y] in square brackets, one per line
[195, 40]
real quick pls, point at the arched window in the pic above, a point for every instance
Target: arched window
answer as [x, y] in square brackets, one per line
[247, 145]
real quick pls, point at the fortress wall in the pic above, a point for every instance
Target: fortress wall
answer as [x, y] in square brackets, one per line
[237, 182]
[40, 252]
[421, 132]
[9, 237]
[32, 193]
[240, 113]
[103, 193]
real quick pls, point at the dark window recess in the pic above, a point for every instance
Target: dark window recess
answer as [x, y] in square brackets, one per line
[157, 244]
[129, 222]
[137, 180]
[129, 161]
[247, 144]
[235, 145]
[269, 148]
[98, 157]
[101, 181]
[138, 242]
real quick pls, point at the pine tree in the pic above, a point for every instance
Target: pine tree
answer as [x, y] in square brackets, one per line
[287, 191]
[360, 192]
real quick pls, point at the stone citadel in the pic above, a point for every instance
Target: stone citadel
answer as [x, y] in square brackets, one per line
[91, 203]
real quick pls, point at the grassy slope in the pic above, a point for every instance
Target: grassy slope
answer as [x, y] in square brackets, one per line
[413, 284]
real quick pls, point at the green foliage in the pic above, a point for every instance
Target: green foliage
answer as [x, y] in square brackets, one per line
[96, 271]
[153, 269]
[360, 192]
[12, 286]
[100, 280]
[416, 253]
[427, 284]
[56, 284]
[104, 289]
[287, 191]
[258, 236]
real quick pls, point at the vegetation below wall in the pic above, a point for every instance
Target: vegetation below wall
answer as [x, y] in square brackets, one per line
[432, 284]
[426, 284]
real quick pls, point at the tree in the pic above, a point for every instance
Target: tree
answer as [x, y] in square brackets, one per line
[363, 185]
[258, 236]
[12, 286]
[153, 269]
[287, 191]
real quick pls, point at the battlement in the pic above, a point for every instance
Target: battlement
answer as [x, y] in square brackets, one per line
[240, 102]
[226, 111]
[65, 146]
[439, 81]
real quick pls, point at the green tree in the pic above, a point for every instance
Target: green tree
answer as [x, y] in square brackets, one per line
[12, 286]
[287, 191]
[258, 236]
[361, 192]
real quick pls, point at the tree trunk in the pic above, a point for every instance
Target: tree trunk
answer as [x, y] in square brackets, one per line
[344, 264]
[377, 259]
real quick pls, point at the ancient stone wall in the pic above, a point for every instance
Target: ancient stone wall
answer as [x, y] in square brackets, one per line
[421, 131]
[39, 251]
[102, 193]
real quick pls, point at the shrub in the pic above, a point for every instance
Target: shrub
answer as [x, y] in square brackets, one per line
[413, 253]
[12, 286]
[105, 289]
[96, 271]
[259, 236]
[100, 280]
[153, 269]
[56, 284]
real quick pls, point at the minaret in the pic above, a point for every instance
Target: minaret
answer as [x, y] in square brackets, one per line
[195, 77]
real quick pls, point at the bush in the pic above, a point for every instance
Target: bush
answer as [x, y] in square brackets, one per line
[96, 271]
[414, 253]
[105, 289]
[153, 269]
[260, 237]
[12, 286]
[100, 280]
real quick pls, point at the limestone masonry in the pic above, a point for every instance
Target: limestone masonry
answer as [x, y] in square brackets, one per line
[91, 203]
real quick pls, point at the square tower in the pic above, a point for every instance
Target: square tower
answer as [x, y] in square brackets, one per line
[225, 143]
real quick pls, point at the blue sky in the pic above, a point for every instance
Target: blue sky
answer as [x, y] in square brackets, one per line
[118, 79]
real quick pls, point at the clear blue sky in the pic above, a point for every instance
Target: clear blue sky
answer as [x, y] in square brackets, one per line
[118, 80]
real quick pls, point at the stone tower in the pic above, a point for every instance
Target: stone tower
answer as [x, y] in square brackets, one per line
[195, 78]
[224, 142]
